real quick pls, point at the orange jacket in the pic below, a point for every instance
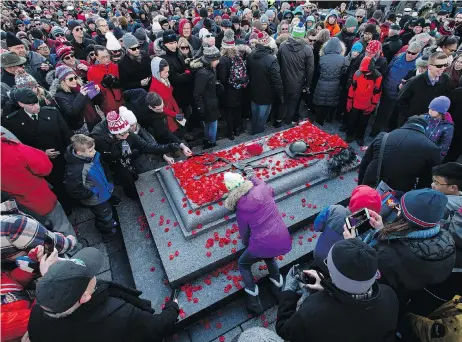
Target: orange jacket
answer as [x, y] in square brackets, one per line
[333, 29]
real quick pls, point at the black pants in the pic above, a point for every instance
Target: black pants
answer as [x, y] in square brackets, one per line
[233, 116]
[322, 112]
[357, 124]
[384, 119]
[127, 179]
[289, 109]
[56, 179]
[104, 219]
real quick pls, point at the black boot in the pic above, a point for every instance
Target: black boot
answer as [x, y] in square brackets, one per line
[206, 144]
[237, 132]
[230, 136]
[253, 304]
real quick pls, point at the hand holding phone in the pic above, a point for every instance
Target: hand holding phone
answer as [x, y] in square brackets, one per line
[359, 221]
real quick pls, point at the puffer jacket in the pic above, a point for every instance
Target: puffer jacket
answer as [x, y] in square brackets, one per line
[440, 132]
[452, 221]
[397, 70]
[365, 90]
[260, 223]
[332, 65]
[297, 65]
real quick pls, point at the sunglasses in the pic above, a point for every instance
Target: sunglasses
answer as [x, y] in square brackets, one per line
[452, 50]
[61, 22]
[412, 53]
[311, 40]
[439, 66]
[91, 54]
[135, 48]
[71, 79]
[359, 16]
[184, 48]
[69, 57]
[59, 35]
[78, 29]
[208, 36]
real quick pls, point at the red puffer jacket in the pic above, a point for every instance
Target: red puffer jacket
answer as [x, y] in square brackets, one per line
[112, 97]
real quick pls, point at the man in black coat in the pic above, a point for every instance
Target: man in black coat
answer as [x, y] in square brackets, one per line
[350, 306]
[45, 129]
[11, 65]
[419, 91]
[408, 158]
[135, 66]
[393, 43]
[79, 42]
[74, 306]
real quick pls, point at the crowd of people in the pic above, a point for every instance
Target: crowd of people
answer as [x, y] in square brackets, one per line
[94, 93]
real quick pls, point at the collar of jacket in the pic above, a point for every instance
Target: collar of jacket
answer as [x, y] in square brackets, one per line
[235, 195]
[346, 298]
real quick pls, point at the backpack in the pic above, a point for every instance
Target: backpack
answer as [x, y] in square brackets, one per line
[238, 77]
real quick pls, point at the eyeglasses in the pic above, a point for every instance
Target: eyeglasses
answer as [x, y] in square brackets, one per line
[42, 47]
[439, 66]
[135, 48]
[284, 29]
[184, 47]
[69, 57]
[71, 79]
[438, 183]
[412, 53]
[78, 29]
[359, 16]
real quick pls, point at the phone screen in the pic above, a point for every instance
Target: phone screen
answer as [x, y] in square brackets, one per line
[359, 221]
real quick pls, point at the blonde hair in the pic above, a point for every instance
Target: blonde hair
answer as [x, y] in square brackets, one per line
[82, 142]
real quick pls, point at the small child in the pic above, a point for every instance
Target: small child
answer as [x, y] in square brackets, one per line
[86, 181]
[447, 178]
[363, 96]
[440, 127]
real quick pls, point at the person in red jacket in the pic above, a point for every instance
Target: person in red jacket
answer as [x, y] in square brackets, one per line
[363, 96]
[106, 75]
[23, 168]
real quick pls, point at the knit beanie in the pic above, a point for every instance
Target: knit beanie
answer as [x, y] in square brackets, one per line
[112, 44]
[374, 47]
[127, 115]
[63, 50]
[63, 71]
[226, 23]
[258, 334]
[351, 22]
[233, 180]
[377, 15]
[56, 30]
[211, 53]
[140, 34]
[298, 31]
[203, 12]
[246, 11]
[12, 40]
[257, 24]
[310, 18]
[423, 208]
[25, 81]
[364, 196]
[263, 38]
[116, 124]
[168, 36]
[36, 44]
[440, 104]
[270, 13]
[352, 266]
[264, 19]
[357, 47]
[129, 40]
[203, 32]
[370, 28]
[118, 33]
[228, 39]
[72, 24]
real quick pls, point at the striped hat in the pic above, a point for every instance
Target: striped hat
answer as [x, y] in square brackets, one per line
[116, 124]
[298, 31]
[424, 208]
[56, 30]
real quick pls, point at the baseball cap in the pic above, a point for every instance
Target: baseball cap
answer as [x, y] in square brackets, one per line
[66, 280]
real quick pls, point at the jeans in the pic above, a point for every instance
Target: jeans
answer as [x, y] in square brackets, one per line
[260, 114]
[245, 263]
[210, 131]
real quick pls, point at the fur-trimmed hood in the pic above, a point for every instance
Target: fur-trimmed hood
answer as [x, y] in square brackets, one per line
[158, 49]
[333, 46]
[243, 50]
[236, 194]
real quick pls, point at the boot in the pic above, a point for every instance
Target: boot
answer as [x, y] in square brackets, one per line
[253, 304]
[206, 144]
[276, 286]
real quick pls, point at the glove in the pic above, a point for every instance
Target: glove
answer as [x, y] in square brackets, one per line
[29, 263]
[349, 105]
[292, 281]
[249, 171]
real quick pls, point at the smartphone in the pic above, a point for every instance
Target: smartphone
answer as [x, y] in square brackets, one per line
[359, 221]
[304, 278]
[49, 245]
[175, 293]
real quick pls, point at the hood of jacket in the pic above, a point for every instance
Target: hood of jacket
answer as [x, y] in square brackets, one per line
[235, 195]
[158, 48]
[262, 51]
[333, 46]
[295, 45]
[155, 64]
[364, 196]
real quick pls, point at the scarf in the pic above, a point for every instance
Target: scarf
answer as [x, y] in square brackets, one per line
[136, 58]
[373, 239]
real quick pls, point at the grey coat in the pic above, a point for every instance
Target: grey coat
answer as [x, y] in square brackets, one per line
[332, 65]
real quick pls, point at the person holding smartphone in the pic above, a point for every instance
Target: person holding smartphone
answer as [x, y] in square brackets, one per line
[349, 305]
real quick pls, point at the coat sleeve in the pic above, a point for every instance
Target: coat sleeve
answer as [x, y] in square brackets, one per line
[446, 141]
[405, 94]
[71, 109]
[125, 76]
[290, 323]
[38, 162]
[179, 79]
[377, 92]
[321, 220]
[244, 229]
[275, 76]
[309, 67]
[149, 147]
[200, 83]
[223, 71]
[66, 133]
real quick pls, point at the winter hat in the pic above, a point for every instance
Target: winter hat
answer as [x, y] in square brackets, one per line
[89, 48]
[256, 14]
[258, 334]
[118, 33]
[36, 44]
[332, 13]
[367, 64]
[377, 15]
[63, 71]
[203, 32]
[360, 12]
[226, 23]
[370, 28]
[72, 24]
[298, 31]
[440, 104]
[63, 50]
[112, 44]
[211, 53]
[56, 30]
[310, 18]
[116, 124]
[263, 38]
[25, 81]
[12, 40]
[374, 47]
[357, 47]
[270, 13]
[129, 40]
[351, 22]
[127, 115]
[140, 34]
[352, 266]
[225, 16]
[203, 12]
[364, 196]
[10, 59]
[257, 24]
[235, 19]
[228, 39]
[423, 208]
[168, 36]
[264, 19]
[246, 11]
[245, 22]
[233, 180]
[26, 96]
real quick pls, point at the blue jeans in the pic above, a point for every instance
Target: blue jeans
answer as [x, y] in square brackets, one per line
[210, 131]
[260, 114]
[245, 263]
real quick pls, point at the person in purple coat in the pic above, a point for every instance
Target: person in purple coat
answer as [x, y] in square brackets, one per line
[262, 230]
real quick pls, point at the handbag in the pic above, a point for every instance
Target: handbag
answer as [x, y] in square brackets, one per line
[390, 208]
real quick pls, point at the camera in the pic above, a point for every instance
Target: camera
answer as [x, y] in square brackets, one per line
[359, 221]
[303, 277]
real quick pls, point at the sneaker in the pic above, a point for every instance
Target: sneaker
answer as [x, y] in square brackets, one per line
[253, 304]
[276, 286]
[230, 136]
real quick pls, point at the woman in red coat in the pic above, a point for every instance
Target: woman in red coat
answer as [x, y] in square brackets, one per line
[161, 85]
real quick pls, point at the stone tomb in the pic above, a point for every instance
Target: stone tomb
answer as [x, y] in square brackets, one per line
[195, 233]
